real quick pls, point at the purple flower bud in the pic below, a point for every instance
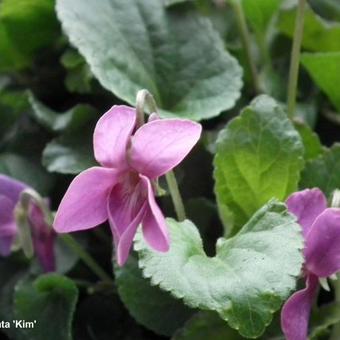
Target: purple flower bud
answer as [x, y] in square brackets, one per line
[43, 235]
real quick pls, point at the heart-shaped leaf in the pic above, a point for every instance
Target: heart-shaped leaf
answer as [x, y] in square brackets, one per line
[248, 279]
[175, 54]
[50, 300]
[259, 156]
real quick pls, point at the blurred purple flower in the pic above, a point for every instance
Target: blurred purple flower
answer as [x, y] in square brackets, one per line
[122, 190]
[321, 231]
[42, 235]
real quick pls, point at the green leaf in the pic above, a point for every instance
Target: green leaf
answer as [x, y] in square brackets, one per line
[323, 172]
[324, 317]
[27, 26]
[102, 316]
[310, 140]
[260, 12]
[248, 279]
[73, 119]
[51, 301]
[319, 35]
[327, 8]
[26, 171]
[12, 105]
[70, 153]
[259, 156]
[10, 57]
[324, 68]
[147, 303]
[66, 259]
[173, 2]
[12, 270]
[206, 325]
[175, 54]
[79, 76]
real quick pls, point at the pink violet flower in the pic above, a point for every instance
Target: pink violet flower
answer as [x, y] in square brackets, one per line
[321, 231]
[43, 236]
[122, 189]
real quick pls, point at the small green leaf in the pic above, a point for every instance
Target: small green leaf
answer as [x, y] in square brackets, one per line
[73, 119]
[206, 325]
[260, 12]
[319, 35]
[248, 279]
[259, 156]
[324, 68]
[323, 172]
[310, 140]
[12, 106]
[79, 76]
[149, 305]
[51, 301]
[70, 153]
[10, 56]
[27, 26]
[12, 270]
[175, 54]
[329, 9]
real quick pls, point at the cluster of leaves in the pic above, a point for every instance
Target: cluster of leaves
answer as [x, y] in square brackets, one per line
[63, 63]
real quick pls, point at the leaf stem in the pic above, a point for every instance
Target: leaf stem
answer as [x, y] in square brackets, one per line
[175, 195]
[295, 58]
[86, 257]
[245, 37]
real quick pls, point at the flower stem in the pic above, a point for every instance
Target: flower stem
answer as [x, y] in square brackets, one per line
[295, 58]
[86, 257]
[144, 97]
[175, 195]
[245, 37]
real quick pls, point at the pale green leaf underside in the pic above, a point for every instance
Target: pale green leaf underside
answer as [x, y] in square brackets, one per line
[259, 157]
[176, 55]
[246, 281]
